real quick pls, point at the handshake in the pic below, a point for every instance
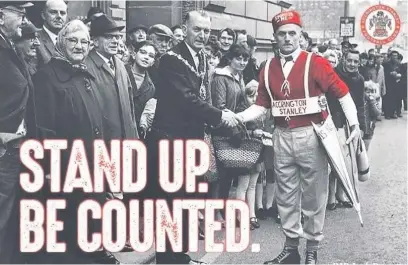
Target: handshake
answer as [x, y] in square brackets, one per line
[230, 119]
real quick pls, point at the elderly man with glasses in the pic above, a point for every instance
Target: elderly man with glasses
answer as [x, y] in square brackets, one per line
[27, 47]
[112, 83]
[17, 121]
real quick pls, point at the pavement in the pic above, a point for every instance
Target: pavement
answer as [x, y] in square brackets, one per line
[382, 240]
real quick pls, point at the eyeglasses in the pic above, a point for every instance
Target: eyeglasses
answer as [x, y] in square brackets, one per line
[110, 37]
[21, 13]
[34, 39]
[74, 42]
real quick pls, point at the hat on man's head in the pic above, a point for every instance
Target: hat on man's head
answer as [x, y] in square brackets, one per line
[93, 13]
[286, 17]
[346, 44]
[140, 26]
[28, 31]
[19, 4]
[102, 25]
[161, 30]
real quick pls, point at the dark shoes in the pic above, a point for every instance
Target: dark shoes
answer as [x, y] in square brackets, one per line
[261, 214]
[253, 221]
[311, 257]
[287, 256]
[331, 206]
[103, 257]
[345, 204]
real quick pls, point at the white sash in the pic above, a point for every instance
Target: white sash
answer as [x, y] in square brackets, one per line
[295, 107]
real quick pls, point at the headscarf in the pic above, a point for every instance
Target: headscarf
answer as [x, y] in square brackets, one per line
[61, 47]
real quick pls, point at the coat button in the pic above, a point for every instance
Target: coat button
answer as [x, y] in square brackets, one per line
[96, 131]
[87, 85]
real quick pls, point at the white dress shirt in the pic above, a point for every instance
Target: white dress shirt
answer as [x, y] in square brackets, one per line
[194, 54]
[53, 36]
[287, 65]
[107, 61]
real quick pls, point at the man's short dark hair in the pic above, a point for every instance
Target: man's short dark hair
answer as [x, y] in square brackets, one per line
[371, 50]
[201, 12]
[396, 52]
[363, 55]
[241, 31]
[175, 27]
[251, 41]
[353, 51]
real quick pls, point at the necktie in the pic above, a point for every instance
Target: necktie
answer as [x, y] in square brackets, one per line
[201, 59]
[111, 65]
[287, 59]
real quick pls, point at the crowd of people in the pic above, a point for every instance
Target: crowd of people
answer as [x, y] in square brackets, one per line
[82, 80]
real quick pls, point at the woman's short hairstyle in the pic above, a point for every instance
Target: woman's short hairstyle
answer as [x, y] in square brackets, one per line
[73, 26]
[234, 51]
[230, 32]
[137, 46]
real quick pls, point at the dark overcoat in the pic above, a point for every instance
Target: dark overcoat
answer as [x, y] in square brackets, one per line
[180, 112]
[67, 108]
[104, 79]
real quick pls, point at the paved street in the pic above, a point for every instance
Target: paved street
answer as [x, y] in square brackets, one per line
[383, 239]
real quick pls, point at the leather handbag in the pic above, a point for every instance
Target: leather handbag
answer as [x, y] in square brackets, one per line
[240, 155]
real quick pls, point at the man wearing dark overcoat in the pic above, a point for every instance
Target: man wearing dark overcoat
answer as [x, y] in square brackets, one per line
[111, 80]
[182, 112]
[17, 120]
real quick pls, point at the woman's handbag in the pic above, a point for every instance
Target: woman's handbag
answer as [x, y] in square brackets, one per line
[242, 156]
[362, 161]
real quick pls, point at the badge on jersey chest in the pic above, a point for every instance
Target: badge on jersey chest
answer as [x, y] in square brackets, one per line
[285, 88]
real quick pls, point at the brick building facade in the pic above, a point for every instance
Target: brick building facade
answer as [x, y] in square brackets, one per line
[252, 15]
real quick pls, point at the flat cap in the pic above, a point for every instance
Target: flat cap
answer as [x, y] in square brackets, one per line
[160, 29]
[19, 4]
[28, 30]
[140, 26]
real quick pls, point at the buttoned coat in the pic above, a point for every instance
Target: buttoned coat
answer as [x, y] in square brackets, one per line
[104, 79]
[181, 112]
[68, 109]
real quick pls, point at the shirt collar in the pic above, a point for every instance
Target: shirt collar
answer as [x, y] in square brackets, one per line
[103, 57]
[294, 54]
[52, 35]
[193, 52]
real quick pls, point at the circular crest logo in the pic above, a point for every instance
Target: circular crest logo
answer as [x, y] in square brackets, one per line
[380, 24]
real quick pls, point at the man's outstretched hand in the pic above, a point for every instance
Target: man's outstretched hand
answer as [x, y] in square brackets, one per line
[229, 118]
